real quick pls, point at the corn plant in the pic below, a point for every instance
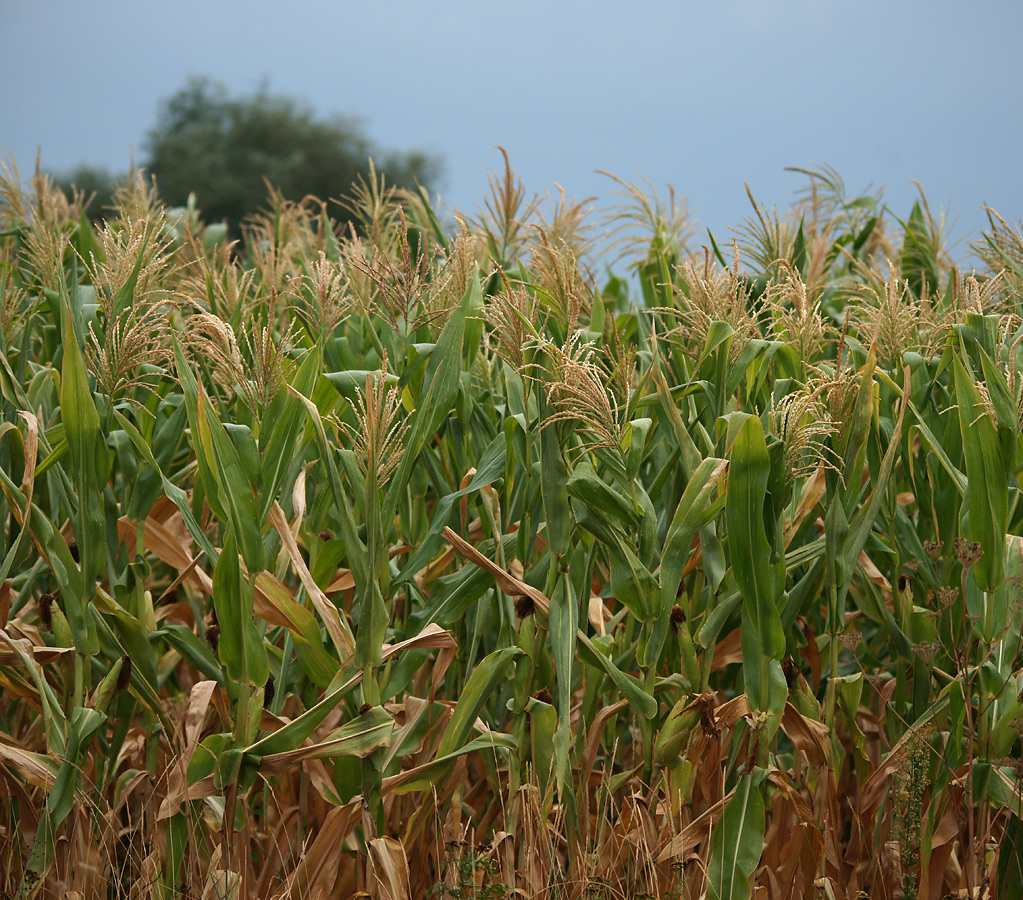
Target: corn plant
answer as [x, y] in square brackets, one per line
[327, 555]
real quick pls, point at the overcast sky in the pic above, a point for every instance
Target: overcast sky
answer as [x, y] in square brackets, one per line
[705, 95]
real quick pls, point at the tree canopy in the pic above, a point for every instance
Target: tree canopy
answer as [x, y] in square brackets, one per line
[225, 149]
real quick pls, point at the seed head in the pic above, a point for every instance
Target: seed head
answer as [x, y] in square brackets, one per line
[802, 421]
[707, 294]
[586, 388]
[891, 315]
[796, 316]
[524, 606]
[380, 428]
[321, 296]
[560, 285]
[967, 552]
[510, 315]
[791, 671]
[46, 602]
[137, 337]
[124, 676]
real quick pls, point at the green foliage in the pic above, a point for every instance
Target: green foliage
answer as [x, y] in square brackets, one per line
[463, 876]
[227, 149]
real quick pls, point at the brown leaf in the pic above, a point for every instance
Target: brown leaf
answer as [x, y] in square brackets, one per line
[932, 876]
[506, 582]
[180, 611]
[313, 877]
[727, 714]
[813, 490]
[338, 629]
[40, 654]
[166, 547]
[597, 613]
[198, 705]
[277, 763]
[695, 832]
[344, 580]
[178, 790]
[388, 874]
[432, 637]
[33, 766]
[5, 601]
[873, 573]
[273, 602]
[801, 808]
[182, 792]
[440, 668]
[727, 651]
[810, 737]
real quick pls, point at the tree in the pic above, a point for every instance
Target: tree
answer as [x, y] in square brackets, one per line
[98, 186]
[221, 148]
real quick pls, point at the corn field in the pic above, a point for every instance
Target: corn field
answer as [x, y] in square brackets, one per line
[403, 560]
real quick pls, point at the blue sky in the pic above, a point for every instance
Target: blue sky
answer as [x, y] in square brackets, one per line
[705, 95]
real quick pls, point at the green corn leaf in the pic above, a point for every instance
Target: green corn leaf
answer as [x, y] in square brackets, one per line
[28, 451]
[358, 738]
[853, 445]
[244, 443]
[304, 628]
[751, 365]
[132, 638]
[489, 468]
[919, 262]
[737, 840]
[83, 726]
[440, 387]
[90, 466]
[241, 645]
[373, 620]
[587, 486]
[633, 584]
[630, 686]
[760, 580]
[987, 490]
[354, 546]
[845, 540]
[689, 518]
[236, 491]
[190, 388]
[126, 292]
[55, 724]
[284, 428]
[543, 734]
[636, 434]
[554, 488]
[185, 642]
[690, 456]
[423, 777]
[1010, 861]
[479, 687]
[296, 731]
[173, 492]
[564, 623]
[352, 382]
